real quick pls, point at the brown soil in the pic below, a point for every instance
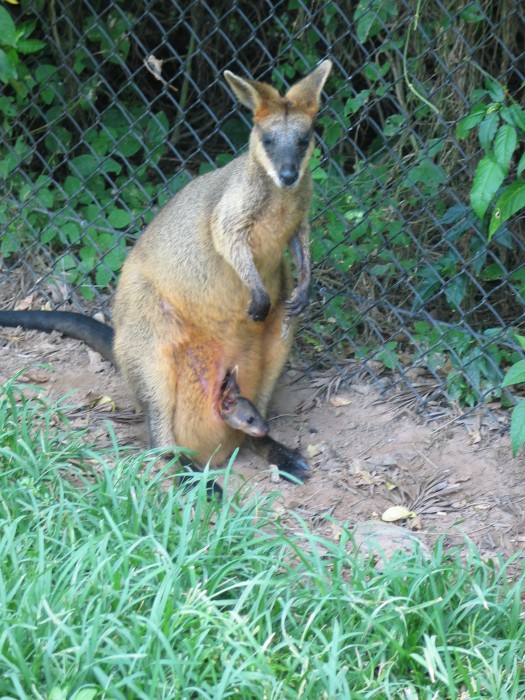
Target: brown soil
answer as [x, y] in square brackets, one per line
[366, 454]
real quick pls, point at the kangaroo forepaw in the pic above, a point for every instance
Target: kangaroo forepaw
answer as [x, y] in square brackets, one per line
[298, 302]
[260, 305]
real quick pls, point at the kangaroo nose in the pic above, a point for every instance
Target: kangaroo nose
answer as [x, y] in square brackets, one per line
[288, 175]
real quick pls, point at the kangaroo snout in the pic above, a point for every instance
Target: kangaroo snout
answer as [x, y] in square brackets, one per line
[288, 175]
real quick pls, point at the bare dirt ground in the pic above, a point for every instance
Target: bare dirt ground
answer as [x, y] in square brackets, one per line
[366, 454]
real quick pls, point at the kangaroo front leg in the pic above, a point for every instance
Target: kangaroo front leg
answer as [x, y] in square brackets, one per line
[241, 259]
[231, 236]
[299, 245]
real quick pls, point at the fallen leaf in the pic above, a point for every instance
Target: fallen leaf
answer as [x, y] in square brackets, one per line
[104, 401]
[25, 303]
[313, 450]
[37, 378]
[363, 478]
[397, 513]
[337, 531]
[474, 437]
[340, 400]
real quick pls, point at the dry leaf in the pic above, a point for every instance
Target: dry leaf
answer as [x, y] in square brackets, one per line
[397, 513]
[337, 531]
[104, 401]
[25, 303]
[340, 400]
[35, 377]
[474, 437]
[390, 486]
[363, 478]
[313, 450]
[154, 65]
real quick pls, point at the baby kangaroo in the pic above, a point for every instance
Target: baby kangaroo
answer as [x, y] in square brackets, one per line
[237, 411]
[207, 286]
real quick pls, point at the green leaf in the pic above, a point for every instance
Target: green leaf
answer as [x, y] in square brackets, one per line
[110, 165]
[495, 90]
[517, 427]
[472, 119]
[129, 145]
[520, 339]
[487, 180]
[85, 694]
[354, 104]
[515, 115]
[8, 64]
[427, 172]
[48, 235]
[504, 145]
[103, 276]
[157, 130]
[85, 165]
[119, 218]
[521, 164]
[72, 185]
[57, 693]
[7, 29]
[30, 45]
[394, 124]
[46, 197]
[455, 291]
[364, 23]
[511, 200]
[515, 375]
[487, 130]
[72, 231]
[472, 13]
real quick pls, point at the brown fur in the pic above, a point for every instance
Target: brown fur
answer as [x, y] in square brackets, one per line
[207, 288]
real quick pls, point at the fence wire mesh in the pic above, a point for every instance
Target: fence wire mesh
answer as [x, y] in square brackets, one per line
[110, 108]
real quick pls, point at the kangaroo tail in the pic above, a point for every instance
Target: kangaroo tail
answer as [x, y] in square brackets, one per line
[95, 334]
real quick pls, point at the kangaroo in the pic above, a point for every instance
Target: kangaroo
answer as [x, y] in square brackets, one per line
[238, 412]
[207, 287]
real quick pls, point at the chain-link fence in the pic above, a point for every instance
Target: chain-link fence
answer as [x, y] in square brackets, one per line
[110, 108]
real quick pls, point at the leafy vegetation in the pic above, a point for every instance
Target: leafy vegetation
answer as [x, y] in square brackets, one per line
[114, 586]
[500, 125]
[516, 375]
[419, 181]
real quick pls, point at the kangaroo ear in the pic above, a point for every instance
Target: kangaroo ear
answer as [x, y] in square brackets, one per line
[260, 98]
[305, 94]
[228, 398]
[229, 387]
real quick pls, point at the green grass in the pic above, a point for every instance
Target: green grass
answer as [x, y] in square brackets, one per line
[112, 587]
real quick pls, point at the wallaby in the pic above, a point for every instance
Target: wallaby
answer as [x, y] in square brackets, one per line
[207, 286]
[238, 412]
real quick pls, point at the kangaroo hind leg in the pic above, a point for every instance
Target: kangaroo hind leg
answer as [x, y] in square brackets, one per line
[276, 350]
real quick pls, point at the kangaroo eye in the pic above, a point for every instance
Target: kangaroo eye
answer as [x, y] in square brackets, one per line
[304, 140]
[267, 140]
[249, 420]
